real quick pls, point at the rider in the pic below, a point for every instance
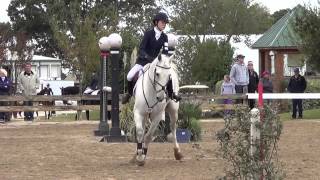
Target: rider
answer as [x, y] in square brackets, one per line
[47, 90]
[93, 84]
[150, 47]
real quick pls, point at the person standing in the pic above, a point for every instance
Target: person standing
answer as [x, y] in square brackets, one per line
[227, 88]
[239, 76]
[253, 83]
[297, 84]
[266, 82]
[5, 86]
[28, 83]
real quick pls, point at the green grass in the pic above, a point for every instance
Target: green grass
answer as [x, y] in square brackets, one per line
[307, 114]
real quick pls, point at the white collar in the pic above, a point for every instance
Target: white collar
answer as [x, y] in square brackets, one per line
[157, 33]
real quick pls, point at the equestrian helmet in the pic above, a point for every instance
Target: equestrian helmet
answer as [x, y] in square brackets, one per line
[160, 16]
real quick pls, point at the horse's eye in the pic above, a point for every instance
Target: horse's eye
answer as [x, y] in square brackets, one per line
[157, 74]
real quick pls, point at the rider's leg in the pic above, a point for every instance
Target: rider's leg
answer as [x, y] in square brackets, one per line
[171, 94]
[130, 77]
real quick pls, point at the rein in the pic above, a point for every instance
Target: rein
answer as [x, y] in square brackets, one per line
[154, 84]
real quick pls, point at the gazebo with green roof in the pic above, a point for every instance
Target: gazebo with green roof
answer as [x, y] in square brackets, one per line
[278, 49]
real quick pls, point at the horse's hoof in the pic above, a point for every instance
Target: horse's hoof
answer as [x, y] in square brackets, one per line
[140, 158]
[178, 155]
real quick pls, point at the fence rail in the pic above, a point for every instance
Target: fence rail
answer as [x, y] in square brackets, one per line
[203, 99]
[49, 108]
[49, 98]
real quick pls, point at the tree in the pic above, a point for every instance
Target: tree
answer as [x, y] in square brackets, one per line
[5, 38]
[225, 17]
[14, 45]
[71, 29]
[279, 14]
[307, 25]
[31, 17]
[185, 56]
[213, 60]
[205, 60]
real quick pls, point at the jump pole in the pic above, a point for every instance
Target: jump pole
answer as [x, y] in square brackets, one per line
[103, 128]
[115, 42]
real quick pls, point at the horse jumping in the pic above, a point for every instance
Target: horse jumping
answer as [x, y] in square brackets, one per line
[151, 103]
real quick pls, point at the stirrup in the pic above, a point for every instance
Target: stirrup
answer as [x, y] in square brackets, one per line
[175, 97]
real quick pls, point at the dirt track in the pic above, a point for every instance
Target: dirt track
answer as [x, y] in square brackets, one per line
[71, 151]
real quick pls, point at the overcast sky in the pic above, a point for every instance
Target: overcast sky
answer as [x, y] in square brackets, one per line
[273, 5]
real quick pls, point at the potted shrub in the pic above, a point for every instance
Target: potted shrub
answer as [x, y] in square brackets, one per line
[188, 122]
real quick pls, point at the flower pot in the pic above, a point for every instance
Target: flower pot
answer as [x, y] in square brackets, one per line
[183, 135]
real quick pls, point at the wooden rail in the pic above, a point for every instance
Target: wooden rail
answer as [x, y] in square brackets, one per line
[203, 99]
[49, 98]
[49, 108]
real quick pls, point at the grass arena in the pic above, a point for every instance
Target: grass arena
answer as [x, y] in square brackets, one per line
[69, 150]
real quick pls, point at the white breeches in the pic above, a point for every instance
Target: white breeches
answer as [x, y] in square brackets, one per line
[136, 68]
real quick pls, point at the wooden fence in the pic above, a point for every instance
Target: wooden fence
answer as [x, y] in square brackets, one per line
[37, 107]
[205, 101]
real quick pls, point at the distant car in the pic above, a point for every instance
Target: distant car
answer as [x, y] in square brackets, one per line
[194, 89]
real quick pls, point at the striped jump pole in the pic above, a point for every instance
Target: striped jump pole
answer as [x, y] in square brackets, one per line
[103, 128]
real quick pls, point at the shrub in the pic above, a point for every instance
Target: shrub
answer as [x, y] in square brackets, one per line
[235, 144]
[127, 123]
[188, 116]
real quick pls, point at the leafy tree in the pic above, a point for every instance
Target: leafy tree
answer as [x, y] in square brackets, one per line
[185, 56]
[212, 62]
[307, 25]
[279, 14]
[71, 29]
[5, 37]
[227, 17]
[31, 17]
[204, 60]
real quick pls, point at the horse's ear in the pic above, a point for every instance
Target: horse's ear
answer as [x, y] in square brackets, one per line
[159, 57]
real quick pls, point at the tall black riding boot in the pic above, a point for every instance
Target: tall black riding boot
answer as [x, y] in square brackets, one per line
[171, 94]
[127, 96]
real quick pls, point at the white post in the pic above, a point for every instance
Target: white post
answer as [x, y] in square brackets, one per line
[272, 55]
[254, 131]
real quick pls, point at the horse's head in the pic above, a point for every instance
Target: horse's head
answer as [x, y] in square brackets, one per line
[160, 74]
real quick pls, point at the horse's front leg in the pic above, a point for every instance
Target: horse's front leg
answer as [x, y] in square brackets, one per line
[172, 110]
[154, 125]
[139, 121]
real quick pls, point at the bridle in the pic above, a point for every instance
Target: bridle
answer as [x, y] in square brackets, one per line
[155, 83]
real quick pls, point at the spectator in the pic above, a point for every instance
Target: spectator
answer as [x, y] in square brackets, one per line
[5, 85]
[49, 92]
[253, 82]
[28, 83]
[267, 84]
[297, 84]
[94, 83]
[239, 76]
[227, 88]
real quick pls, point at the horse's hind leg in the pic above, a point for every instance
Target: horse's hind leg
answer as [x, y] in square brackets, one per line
[172, 110]
[139, 121]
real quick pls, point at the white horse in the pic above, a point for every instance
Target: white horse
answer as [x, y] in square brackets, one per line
[152, 101]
